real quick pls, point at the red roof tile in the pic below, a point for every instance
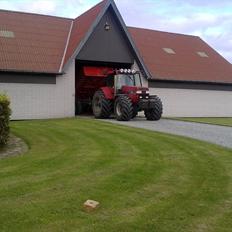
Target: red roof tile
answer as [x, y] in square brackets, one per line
[185, 64]
[38, 43]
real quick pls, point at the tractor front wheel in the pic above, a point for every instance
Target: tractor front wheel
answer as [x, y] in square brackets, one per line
[135, 111]
[102, 107]
[155, 113]
[123, 108]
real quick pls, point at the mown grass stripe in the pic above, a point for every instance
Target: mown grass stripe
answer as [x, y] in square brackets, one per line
[145, 181]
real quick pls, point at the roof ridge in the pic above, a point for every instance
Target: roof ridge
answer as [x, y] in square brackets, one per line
[66, 47]
[37, 14]
[86, 12]
[167, 32]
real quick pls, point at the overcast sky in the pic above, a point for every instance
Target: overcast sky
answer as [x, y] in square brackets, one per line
[209, 19]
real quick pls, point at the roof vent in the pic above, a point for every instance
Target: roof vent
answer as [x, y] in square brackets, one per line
[202, 54]
[169, 50]
[7, 34]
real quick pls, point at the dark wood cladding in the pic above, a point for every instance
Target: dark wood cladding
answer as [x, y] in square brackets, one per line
[107, 45]
[27, 78]
[190, 85]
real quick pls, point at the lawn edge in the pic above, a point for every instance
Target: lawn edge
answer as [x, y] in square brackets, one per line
[208, 123]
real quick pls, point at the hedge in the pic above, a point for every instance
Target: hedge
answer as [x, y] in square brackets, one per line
[5, 113]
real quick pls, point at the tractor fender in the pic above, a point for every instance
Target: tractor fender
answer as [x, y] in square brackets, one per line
[108, 92]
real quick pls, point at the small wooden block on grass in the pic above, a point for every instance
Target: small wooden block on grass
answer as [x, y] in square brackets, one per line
[91, 205]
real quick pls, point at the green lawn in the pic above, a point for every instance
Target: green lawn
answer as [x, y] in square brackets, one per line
[144, 181]
[216, 121]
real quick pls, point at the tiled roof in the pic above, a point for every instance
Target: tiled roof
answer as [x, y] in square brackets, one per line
[187, 63]
[36, 44]
[40, 43]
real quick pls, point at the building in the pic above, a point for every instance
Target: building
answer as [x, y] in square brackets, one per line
[192, 79]
[41, 58]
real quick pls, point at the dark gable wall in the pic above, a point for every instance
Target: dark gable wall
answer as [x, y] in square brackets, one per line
[107, 46]
[190, 85]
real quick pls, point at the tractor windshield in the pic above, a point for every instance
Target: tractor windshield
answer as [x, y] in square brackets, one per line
[128, 80]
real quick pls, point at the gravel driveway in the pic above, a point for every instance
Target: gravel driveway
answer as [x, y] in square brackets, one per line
[220, 135]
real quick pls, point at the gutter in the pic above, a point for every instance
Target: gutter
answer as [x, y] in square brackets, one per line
[30, 72]
[190, 81]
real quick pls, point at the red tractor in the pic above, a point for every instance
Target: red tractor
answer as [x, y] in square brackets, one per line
[121, 92]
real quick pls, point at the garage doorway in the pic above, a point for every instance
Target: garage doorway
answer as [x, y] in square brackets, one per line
[86, 86]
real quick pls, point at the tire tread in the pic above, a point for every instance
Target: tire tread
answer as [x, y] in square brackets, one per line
[154, 114]
[106, 105]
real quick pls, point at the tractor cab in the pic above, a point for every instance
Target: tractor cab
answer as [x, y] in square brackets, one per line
[129, 82]
[127, 79]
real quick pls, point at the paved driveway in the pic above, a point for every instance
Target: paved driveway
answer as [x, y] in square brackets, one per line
[220, 135]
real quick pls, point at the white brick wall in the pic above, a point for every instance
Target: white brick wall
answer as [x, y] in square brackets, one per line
[40, 101]
[195, 103]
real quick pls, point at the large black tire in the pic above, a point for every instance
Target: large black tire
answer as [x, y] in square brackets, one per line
[154, 114]
[102, 107]
[135, 111]
[123, 108]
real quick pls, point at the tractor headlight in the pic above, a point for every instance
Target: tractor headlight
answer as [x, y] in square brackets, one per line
[138, 92]
[121, 70]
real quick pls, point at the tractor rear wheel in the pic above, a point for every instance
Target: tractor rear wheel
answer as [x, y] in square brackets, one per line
[154, 114]
[102, 107]
[123, 108]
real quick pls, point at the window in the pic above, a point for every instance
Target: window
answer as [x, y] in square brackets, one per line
[128, 80]
[202, 54]
[169, 50]
[7, 34]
